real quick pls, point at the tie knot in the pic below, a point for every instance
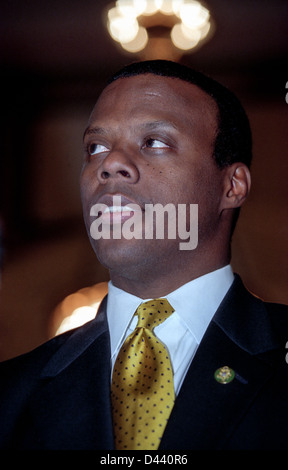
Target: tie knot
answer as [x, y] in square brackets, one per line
[152, 313]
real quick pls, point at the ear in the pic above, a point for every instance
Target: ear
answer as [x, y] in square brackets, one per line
[237, 183]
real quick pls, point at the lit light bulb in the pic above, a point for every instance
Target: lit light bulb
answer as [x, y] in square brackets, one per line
[181, 40]
[123, 29]
[140, 6]
[193, 15]
[152, 7]
[139, 43]
[127, 8]
[176, 5]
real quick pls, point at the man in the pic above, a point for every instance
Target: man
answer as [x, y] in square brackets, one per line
[160, 133]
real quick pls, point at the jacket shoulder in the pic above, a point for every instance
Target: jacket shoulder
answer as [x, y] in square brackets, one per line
[19, 376]
[253, 324]
[29, 366]
[26, 368]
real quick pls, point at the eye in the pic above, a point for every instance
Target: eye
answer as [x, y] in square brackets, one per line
[155, 143]
[95, 149]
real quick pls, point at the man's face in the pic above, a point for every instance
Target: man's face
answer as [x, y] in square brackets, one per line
[150, 140]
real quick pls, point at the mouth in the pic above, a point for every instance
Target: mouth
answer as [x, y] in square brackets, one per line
[117, 214]
[115, 209]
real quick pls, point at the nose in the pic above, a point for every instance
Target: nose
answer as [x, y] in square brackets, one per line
[118, 166]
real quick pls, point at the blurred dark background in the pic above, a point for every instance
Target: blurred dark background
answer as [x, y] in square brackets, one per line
[55, 58]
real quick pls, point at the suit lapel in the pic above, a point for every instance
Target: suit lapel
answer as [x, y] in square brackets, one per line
[211, 410]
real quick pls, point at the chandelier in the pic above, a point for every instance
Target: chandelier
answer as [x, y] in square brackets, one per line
[159, 28]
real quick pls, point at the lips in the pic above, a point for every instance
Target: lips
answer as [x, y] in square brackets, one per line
[116, 208]
[117, 214]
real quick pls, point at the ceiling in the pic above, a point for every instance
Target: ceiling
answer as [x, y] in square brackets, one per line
[70, 38]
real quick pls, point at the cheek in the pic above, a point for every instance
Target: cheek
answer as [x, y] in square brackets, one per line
[209, 198]
[88, 181]
[86, 192]
[200, 184]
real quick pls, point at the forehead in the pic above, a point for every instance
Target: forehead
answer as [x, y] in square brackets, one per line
[153, 94]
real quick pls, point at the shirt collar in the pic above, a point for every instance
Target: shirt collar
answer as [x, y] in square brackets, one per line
[195, 302]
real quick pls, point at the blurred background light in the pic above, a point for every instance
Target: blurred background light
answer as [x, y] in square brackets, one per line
[77, 309]
[138, 43]
[175, 24]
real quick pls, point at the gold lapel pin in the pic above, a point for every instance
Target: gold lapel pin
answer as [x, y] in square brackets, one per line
[224, 375]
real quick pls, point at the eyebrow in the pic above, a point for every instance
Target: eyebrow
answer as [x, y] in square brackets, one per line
[94, 130]
[150, 126]
[147, 126]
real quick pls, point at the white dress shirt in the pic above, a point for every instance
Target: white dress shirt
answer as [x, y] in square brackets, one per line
[194, 303]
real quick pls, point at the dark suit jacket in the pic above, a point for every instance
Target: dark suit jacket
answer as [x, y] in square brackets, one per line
[57, 396]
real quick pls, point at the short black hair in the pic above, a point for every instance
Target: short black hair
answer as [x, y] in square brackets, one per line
[233, 142]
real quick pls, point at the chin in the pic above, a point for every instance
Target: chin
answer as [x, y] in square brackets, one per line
[120, 254]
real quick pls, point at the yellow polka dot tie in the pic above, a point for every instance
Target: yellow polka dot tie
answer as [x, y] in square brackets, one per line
[142, 390]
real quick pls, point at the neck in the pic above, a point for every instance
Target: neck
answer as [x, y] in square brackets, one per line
[147, 286]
